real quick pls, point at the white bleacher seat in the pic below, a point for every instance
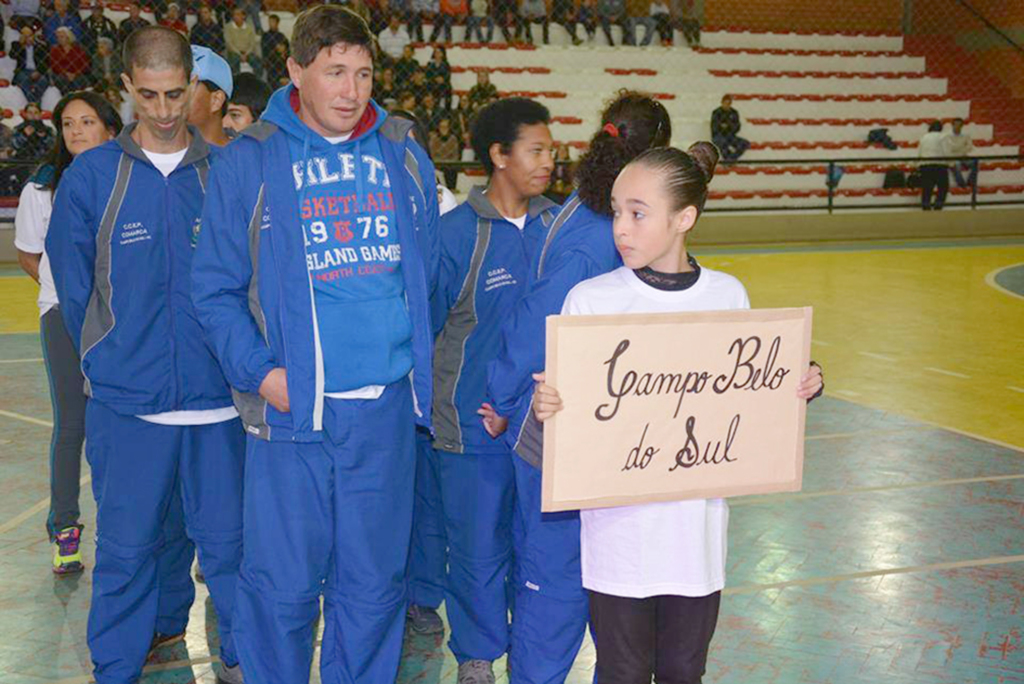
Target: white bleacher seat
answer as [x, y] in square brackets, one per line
[12, 98]
[50, 99]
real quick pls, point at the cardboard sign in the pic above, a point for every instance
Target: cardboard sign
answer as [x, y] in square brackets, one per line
[663, 407]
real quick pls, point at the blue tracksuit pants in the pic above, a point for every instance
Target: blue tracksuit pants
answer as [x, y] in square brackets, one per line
[475, 492]
[428, 551]
[551, 606]
[155, 484]
[330, 518]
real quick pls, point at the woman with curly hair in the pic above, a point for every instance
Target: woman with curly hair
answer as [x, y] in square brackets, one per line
[550, 602]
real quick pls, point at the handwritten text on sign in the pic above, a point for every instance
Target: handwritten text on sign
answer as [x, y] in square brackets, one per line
[662, 407]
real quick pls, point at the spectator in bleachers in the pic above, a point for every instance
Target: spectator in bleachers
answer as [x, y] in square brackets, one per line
[662, 17]
[106, 65]
[6, 141]
[483, 91]
[32, 137]
[533, 12]
[31, 57]
[25, 13]
[406, 66]
[251, 9]
[684, 17]
[587, 16]
[132, 23]
[428, 111]
[97, 26]
[934, 175]
[394, 38]
[275, 66]
[407, 101]
[439, 77]
[360, 9]
[173, 20]
[959, 144]
[479, 16]
[452, 12]
[62, 17]
[207, 31]
[124, 107]
[564, 12]
[725, 128]
[561, 178]
[461, 118]
[638, 13]
[506, 16]
[242, 43]
[446, 146]
[272, 36]
[379, 14]
[69, 63]
[610, 12]
[385, 91]
[419, 83]
[421, 11]
[249, 98]
[209, 104]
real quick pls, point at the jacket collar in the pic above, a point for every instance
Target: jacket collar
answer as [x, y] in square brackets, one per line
[197, 149]
[482, 205]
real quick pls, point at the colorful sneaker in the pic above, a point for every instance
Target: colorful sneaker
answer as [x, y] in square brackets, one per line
[230, 675]
[67, 556]
[423, 620]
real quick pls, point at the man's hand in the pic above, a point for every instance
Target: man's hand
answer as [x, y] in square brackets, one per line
[274, 389]
[493, 423]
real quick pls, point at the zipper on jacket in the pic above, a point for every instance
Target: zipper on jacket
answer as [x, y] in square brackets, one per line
[170, 293]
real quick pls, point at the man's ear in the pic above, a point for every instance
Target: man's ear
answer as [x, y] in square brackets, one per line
[217, 101]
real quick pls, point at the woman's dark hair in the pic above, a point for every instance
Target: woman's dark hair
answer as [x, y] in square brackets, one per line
[444, 53]
[935, 126]
[499, 122]
[59, 156]
[640, 123]
[324, 26]
[684, 175]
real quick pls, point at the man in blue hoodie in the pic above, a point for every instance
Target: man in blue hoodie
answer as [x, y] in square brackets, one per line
[311, 282]
[163, 440]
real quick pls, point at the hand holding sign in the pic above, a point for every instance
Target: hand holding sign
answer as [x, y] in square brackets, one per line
[711, 410]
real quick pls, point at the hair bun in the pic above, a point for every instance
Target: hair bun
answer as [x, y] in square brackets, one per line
[705, 155]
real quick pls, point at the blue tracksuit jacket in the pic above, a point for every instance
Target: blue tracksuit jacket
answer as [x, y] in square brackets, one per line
[251, 284]
[579, 246]
[121, 245]
[484, 267]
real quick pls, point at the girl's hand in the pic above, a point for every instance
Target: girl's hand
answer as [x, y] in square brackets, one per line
[546, 400]
[493, 423]
[812, 384]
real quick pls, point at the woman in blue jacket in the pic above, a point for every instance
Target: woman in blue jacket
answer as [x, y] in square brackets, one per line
[550, 602]
[465, 482]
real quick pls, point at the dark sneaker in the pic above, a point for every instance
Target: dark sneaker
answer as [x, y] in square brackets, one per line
[476, 672]
[423, 620]
[230, 675]
[161, 640]
[67, 557]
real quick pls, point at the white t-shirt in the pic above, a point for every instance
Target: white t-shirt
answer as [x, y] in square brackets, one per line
[392, 44]
[30, 225]
[166, 163]
[445, 200]
[933, 144]
[676, 548]
[519, 222]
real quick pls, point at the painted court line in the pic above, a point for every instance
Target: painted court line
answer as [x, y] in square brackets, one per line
[844, 392]
[1015, 389]
[161, 667]
[990, 280]
[933, 567]
[22, 360]
[799, 496]
[869, 433]
[950, 373]
[880, 357]
[27, 419]
[37, 507]
[820, 343]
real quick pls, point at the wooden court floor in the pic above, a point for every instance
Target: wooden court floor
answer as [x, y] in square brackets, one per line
[901, 561]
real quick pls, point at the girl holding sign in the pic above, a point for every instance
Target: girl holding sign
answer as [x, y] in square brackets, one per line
[655, 571]
[551, 609]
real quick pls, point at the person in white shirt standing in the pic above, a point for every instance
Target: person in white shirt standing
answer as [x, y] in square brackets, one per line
[84, 120]
[959, 144]
[934, 174]
[394, 38]
[655, 572]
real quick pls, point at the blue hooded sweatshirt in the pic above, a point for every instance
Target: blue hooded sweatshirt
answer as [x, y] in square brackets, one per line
[579, 246]
[275, 280]
[120, 244]
[485, 265]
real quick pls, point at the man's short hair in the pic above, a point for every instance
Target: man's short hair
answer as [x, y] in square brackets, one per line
[274, 17]
[157, 47]
[252, 92]
[324, 26]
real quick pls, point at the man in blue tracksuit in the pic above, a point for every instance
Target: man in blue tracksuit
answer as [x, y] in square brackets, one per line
[487, 246]
[311, 282]
[163, 439]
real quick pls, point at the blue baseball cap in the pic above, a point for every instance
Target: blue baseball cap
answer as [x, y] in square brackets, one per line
[207, 65]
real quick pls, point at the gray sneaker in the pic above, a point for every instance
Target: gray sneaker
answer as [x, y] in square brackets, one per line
[476, 672]
[230, 675]
[423, 620]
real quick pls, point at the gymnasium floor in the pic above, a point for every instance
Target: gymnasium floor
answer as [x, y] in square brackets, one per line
[902, 560]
